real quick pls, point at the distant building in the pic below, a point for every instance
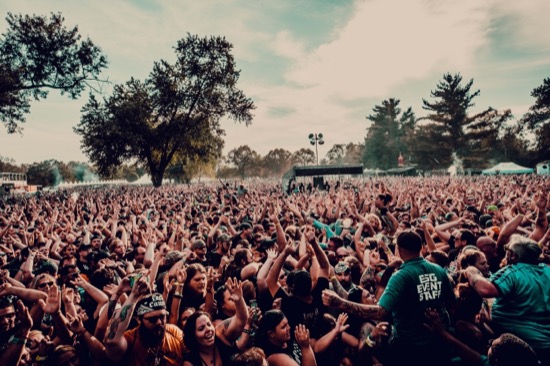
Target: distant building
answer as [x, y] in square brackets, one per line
[543, 167]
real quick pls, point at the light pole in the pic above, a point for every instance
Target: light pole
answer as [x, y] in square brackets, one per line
[316, 139]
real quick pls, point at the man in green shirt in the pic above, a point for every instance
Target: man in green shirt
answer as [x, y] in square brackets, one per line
[417, 286]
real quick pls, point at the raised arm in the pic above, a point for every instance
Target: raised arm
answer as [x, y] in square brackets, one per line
[115, 343]
[231, 329]
[371, 312]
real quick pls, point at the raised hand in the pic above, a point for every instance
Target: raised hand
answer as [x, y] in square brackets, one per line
[271, 253]
[24, 319]
[67, 295]
[301, 334]
[341, 325]
[76, 325]
[235, 288]
[52, 304]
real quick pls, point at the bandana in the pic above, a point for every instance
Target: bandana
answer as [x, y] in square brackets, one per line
[150, 303]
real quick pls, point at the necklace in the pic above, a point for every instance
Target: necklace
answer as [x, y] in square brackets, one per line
[212, 362]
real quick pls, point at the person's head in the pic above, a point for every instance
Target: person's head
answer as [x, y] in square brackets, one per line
[42, 282]
[34, 339]
[199, 332]
[464, 237]
[301, 283]
[474, 258]
[223, 301]
[438, 257]
[185, 314]
[199, 248]
[522, 250]
[223, 243]
[83, 251]
[509, 350]
[274, 328]
[334, 243]
[69, 250]
[151, 314]
[117, 247]
[343, 274]
[65, 356]
[96, 240]
[251, 357]
[488, 246]
[196, 279]
[7, 314]
[409, 244]
[242, 257]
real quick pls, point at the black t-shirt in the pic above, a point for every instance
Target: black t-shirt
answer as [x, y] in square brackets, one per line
[214, 259]
[292, 350]
[300, 312]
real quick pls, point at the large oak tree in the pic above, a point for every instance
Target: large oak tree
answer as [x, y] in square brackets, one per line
[174, 114]
[38, 54]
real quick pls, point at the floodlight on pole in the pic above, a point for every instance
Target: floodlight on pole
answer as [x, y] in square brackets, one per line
[316, 139]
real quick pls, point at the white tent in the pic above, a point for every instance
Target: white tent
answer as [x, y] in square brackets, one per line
[507, 168]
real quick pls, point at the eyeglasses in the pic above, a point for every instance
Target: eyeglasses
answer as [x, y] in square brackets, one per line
[44, 284]
[156, 318]
[7, 316]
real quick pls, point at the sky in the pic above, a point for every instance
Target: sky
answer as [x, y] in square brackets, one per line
[310, 66]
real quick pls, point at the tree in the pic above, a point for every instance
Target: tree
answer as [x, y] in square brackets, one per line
[336, 154]
[276, 161]
[537, 119]
[8, 165]
[243, 157]
[465, 135]
[387, 136]
[49, 173]
[303, 157]
[38, 54]
[173, 115]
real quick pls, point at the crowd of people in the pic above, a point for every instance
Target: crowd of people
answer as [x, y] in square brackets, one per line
[372, 271]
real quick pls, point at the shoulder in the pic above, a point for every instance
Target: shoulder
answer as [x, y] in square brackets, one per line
[281, 359]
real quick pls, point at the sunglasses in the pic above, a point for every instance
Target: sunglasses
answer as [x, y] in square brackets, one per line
[154, 319]
[44, 284]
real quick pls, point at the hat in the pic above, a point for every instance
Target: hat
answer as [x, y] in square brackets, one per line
[150, 303]
[409, 240]
[46, 267]
[492, 208]
[223, 237]
[245, 225]
[341, 267]
[173, 257]
[84, 246]
[198, 244]
[449, 216]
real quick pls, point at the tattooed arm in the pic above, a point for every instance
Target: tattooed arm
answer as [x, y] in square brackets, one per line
[115, 343]
[373, 312]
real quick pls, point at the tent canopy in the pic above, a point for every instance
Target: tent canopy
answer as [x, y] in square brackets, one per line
[507, 168]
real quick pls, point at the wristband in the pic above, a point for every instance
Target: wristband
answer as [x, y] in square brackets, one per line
[18, 340]
[178, 295]
[41, 358]
[248, 331]
[369, 342]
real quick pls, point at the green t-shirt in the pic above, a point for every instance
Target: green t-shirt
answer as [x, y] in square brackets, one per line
[523, 305]
[418, 285]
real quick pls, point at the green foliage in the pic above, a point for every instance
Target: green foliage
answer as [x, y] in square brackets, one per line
[388, 134]
[244, 158]
[537, 120]
[49, 173]
[276, 162]
[38, 54]
[470, 137]
[173, 115]
[303, 157]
